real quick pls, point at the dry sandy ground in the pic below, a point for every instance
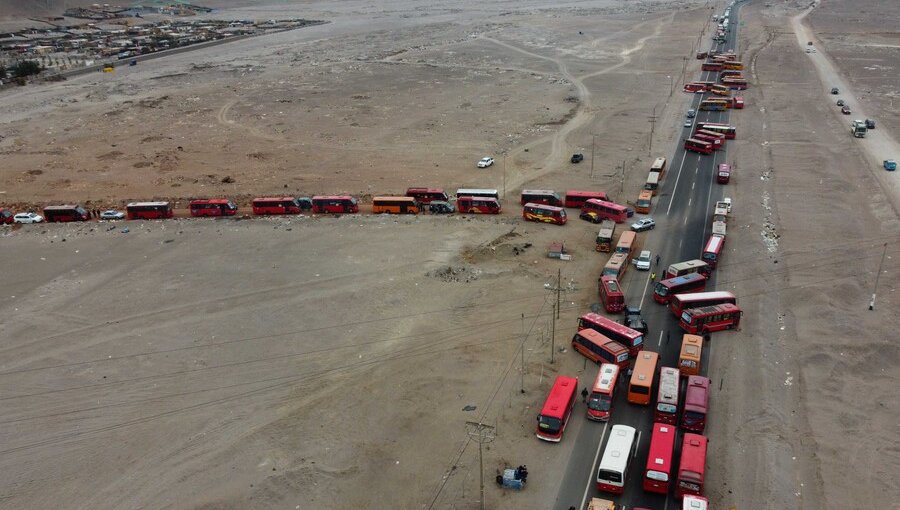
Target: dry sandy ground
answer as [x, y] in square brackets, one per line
[326, 363]
[822, 435]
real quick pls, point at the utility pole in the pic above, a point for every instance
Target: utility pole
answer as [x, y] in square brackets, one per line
[593, 143]
[481, 434]
[622, 180]
[684, 68]
[652, 129]
[877, 276]
[504, 176]
[522, 347]
[559, 288]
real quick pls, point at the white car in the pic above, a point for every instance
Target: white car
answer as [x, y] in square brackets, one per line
[642, 262]
[112, 214]
[643, 224]
[485, 162]
[688, 123]
[27, 217]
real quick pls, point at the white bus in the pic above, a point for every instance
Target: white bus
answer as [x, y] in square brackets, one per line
[620, 449]
[474, 192]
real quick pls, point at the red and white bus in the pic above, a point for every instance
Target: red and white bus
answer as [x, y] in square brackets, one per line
[616, 266]
[600, 401]
[731, 73]
[599, 349]
[659, 461]
[576, 198]
[712, 252]
[712, 140]
[149, 210]
[611, 294]
[544, 213]
[695, 145]
[212, 207]
[720, 90]
[724, 173]
[680, 302]
[694, 503]
[735, 83]
[477, 205]
[427, 195]
[665, 289]
[557, 409]
[708, 319]
[692, 468]
[738, 103]
[715, 134]
[696, 404]
[698, 86]
[734, 64]
[541, 196]
[602, 210]
[620, 449]
[630, 338]
[478, 192]
[730, 132]
[63, 213]
[711, 66]
[335, 204]
[667, 396]
[276, 205]
[688, 267]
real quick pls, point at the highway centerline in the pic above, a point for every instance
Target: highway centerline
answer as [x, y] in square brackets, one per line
[594, 466]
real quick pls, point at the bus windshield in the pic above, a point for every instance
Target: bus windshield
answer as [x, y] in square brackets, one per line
[611, 476]
[600, 402]
[549, 424]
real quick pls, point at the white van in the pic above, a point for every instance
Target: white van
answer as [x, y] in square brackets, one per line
[642, 262]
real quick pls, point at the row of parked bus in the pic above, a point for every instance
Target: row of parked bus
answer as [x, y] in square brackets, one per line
[651, 186]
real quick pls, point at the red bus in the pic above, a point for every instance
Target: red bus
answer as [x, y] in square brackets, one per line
[599, 349]
[730, 132]
[696, 404]
[576, 199]
[735, 83]
[695, 145]
[632, 339]
[477, 205]
[276, 205]
[335, 204]
[738, 103]
[664, 290]
[541, 196]
[600, 402]
[712, 140]
[680, 302]
[544, 213]
[427, 195]
[707, 319]
[611, 294]
[711, 66]
[713, 250]
[557, 409]
[65, 213]
[692, 468]
[667, 396]
[149, 210]
[213, 207]
[698, 86]
[718, 136]
[724, 173]
[659, 461]
[687, 267]
[600, 210]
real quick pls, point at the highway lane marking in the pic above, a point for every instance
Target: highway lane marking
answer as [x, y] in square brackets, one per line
[594, 466]
[689, 201]
[685, 220]
[659, 344]
[644, 293]
[675, 188]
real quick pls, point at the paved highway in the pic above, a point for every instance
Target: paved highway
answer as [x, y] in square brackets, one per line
[683, 213]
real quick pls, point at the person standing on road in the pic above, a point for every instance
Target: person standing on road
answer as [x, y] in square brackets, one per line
[584, 395]
[657, 260]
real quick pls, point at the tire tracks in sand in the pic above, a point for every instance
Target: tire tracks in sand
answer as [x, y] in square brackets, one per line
[584, 114]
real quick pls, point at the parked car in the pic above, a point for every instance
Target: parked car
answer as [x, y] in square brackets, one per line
[112, 214]
[846, 110]
[634, 320]
[590, 216]
[643, 224]
[840, 102]
[440, 207]
[305, 203]
[629, 211]
[642, 262]
[688, 123]
[890, 165]
[485, 162]
[835, 91]
[27, 217]
[870, 124]
[577, 157]
[691, 113]
[810, 50]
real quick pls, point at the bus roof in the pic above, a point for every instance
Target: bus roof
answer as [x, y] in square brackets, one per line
[604, 203]
[424, 190]
[582, 193]
[538, 192]
[658, 163]
[653, 178]
[694, 503]
[702, 296]
[617, 259]
[715, 243]
[611, 284]
[556, 404]
[618, 448]
[600, 339]
[662, 445]
[543, 206]
[401, 198]
[693, 458]
[210, 201]
[645, 194]
[333, 197]
[696, 397]
[476, 191]
[147, 204]
[606, 378]
[696, 141]
[683, 279]
[644, 368]
[703, 310]
[687, 264]
[272, 199]
[61, 207]
[668, 385]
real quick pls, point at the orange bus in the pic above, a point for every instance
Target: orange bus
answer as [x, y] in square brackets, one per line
[720, 90]
[626, 243]
[394, 205]
[643, 202]
[641, 384]
[689, 359]
[659, 166]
